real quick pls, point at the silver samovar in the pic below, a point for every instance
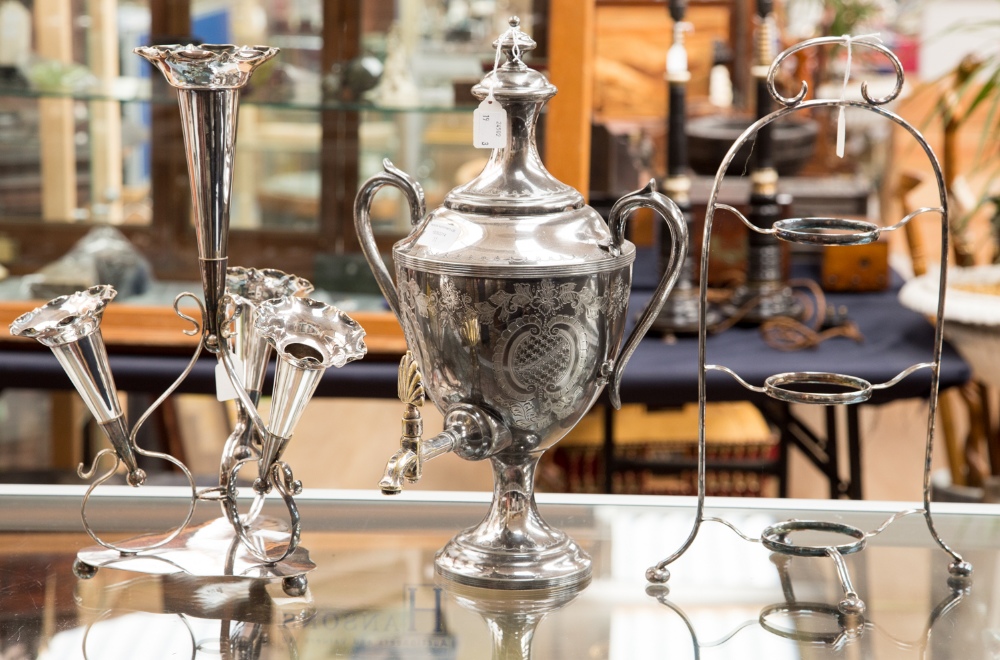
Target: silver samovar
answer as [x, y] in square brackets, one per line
[513, 298]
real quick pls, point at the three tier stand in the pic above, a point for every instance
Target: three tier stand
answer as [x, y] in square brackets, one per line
[823, 388]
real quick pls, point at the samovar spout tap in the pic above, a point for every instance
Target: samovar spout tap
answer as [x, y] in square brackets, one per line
[468, 431]
[401, 462]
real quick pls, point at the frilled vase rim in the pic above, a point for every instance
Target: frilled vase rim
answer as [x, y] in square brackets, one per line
[310, 334]
[206, 66]
[259, 284]
[67, 318]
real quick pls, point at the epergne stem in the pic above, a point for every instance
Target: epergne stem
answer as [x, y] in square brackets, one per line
[208, 79]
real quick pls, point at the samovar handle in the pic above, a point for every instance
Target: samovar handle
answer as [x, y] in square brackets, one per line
[390, 176]
[646, 198]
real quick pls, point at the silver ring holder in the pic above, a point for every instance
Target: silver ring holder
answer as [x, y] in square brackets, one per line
[247, 316]
[821, 388]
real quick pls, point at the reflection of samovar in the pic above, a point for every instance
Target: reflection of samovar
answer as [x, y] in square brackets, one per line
[513, 616]
[513, 298]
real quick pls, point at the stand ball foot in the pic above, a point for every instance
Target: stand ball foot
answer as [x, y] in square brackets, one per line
[295, 585]
[83, 570]
[960, 575]
[852, 606]
[657, 575]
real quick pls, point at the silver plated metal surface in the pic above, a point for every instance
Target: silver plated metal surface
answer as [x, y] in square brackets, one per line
[246, 289]
[775, 538]
[827, 231]
[858, 390]
[512, 297]
[259, 315]
[65, 319]
[208, 80]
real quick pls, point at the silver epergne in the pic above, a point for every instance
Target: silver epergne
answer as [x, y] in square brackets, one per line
[247, 316]
[810, 387]
[513, 298]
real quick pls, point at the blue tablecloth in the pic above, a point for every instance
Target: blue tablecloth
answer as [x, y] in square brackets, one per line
[659, 374]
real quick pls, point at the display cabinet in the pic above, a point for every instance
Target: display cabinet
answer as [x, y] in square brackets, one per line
[88, 137]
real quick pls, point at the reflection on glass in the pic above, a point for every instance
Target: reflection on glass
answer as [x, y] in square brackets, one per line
[512, 616]
[178, 616]
[374, 594]
[815, 628]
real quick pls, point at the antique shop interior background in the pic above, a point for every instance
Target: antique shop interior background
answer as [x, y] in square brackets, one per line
[93, 188]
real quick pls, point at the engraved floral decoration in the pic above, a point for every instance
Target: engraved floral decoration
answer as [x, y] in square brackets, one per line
[310, 334]
[544, 346]
[617, 299]
[453, 308]
[209, 66]
[545, 299]
[65, 319]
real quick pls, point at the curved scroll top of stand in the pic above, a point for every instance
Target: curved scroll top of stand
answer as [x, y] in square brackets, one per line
[866, 42]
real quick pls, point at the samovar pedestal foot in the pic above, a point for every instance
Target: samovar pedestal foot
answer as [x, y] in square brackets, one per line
[513, 548]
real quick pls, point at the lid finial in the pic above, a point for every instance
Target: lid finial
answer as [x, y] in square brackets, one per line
[513, 43]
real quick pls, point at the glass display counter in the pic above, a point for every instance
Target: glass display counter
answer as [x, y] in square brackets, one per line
[374, 593]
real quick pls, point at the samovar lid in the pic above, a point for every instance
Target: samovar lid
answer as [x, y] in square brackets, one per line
[514, 181]
[514, 80]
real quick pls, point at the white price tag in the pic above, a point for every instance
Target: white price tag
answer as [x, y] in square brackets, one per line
[489, 128]
[439, 236]
[224, 390]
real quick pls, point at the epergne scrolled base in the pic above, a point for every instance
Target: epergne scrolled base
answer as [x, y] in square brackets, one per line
[823, 388]
[247, 316]
[513, 298]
